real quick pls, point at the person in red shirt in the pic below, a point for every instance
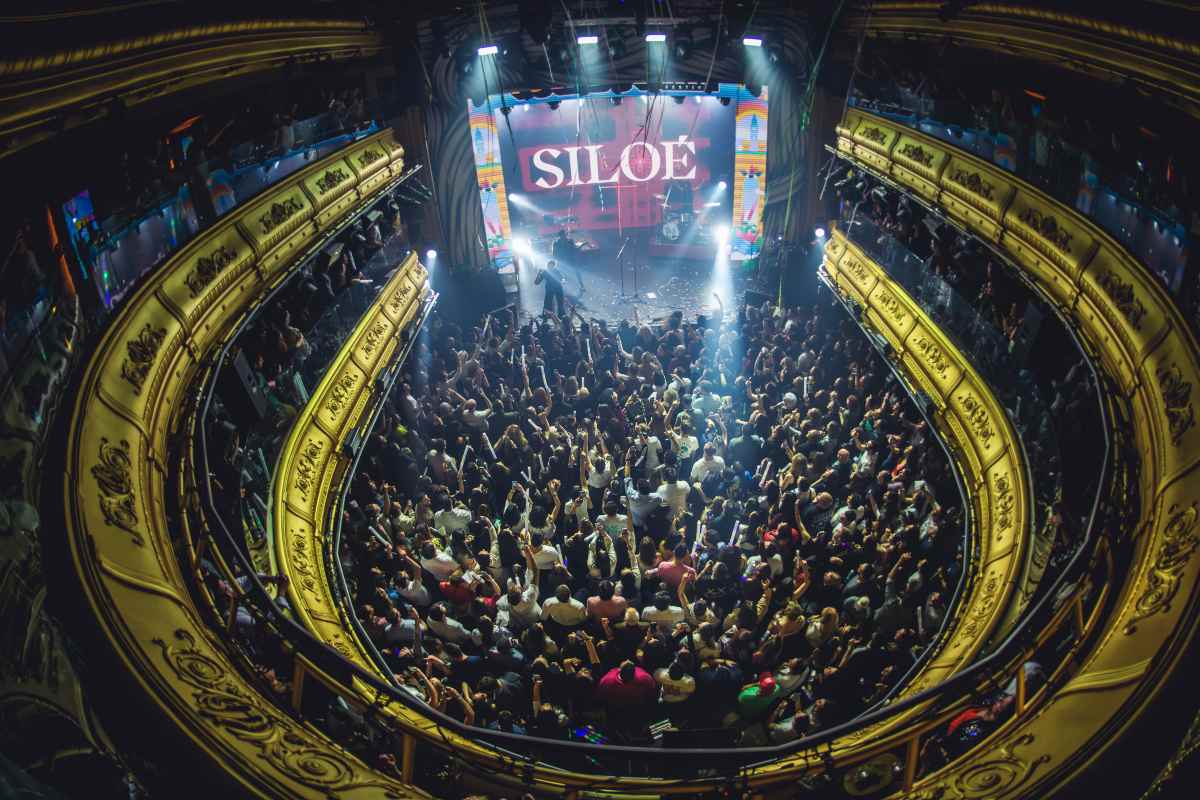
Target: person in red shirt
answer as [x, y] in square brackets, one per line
[457, 591]
[672, 572]
[629, 693]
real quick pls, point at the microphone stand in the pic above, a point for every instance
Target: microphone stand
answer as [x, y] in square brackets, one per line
[628, 298]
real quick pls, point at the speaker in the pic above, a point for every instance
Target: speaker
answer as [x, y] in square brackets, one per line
[701, 737]
[239, 391]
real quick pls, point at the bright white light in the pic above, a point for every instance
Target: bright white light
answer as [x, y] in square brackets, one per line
[752, 41]
[699, 99]
[431, 254]
[722, 185]
[656, 37]
[820, 233]
[589, 39]
[488, 50]
[723, 234]
[521, 245]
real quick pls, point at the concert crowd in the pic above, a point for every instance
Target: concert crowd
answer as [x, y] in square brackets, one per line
[737, 523]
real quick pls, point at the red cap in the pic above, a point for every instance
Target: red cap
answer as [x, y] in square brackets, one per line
[766, 684]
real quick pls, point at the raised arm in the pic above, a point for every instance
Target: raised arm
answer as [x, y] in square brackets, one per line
[554, 512]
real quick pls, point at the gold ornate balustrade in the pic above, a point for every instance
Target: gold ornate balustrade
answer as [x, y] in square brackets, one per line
[121, 479]
[982, 441]
[313, 461]
[1144, 346]
[42, 95]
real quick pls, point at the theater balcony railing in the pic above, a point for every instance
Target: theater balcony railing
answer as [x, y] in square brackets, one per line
[126, 498]
[1004, 362]
[1150, 363]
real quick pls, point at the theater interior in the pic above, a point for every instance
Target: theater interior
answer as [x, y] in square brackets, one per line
[599, 399]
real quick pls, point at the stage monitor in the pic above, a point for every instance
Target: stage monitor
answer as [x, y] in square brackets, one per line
[675, 173]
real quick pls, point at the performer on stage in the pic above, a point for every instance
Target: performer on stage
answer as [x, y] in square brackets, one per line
[552, 276]
[566, 253]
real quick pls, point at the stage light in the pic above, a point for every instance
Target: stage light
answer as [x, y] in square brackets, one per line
[722, 185]
[723, 234]
[616, 99]
[752, 41]
[658, 38]
[522, 246]
[430, 254]
[553, 105]
[587, 39]
[488, 50]
[820, 233]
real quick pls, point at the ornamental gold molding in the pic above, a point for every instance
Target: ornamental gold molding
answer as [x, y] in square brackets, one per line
[1177, 396]
[302, 500]
[133, 400]
[280, 741]
[208, 268]
[1178, 544]
[331, 180]
[1151, 355]
[115, 487]
[141, 351]
[973, 422]
[917, 153]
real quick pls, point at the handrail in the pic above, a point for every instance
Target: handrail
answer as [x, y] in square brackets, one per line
[129, 404]
[1151, 358]
[336, 576]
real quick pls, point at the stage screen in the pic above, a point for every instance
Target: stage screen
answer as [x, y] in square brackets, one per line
[675, 174]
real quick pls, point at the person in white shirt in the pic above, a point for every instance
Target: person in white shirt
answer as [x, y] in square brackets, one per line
[452, 518]
[409, 407]
[474, 418]
[674, 494]
[601, 473]
[564, 609]
[676, 685]
[448, 629]
[545, 556]
[602, 556]
[710, 462]
[437, 563]
[580, 506]
[410, 586]
[612, 522]
[654, 450]
[663, 612]
[519, 608]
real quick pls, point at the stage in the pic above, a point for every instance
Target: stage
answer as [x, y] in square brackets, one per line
[664, 286]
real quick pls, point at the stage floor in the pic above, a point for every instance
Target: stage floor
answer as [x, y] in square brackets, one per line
[664, 286]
